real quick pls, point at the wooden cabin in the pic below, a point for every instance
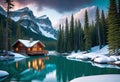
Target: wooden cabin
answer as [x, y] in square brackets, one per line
[29, 47]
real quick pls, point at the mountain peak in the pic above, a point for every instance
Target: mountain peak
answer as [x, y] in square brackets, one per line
[43, 17]
[23, 9]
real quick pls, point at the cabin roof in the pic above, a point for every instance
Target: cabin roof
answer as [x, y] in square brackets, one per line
[27, 43]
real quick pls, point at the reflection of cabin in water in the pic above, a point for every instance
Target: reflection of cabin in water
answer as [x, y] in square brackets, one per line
[29, 47]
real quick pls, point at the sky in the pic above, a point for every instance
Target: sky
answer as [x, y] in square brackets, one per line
[58, 10]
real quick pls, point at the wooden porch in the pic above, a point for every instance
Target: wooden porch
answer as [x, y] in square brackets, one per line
[42, 52]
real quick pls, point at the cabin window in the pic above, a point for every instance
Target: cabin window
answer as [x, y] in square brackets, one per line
[28, 49]
[16, 49]
[34, 49]
[40, 49]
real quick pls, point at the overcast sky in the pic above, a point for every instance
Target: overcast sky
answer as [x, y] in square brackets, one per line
[57, 10]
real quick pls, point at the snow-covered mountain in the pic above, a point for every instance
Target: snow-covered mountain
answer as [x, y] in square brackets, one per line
[41, 25]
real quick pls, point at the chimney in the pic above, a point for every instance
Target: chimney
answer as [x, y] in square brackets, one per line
[31, 40]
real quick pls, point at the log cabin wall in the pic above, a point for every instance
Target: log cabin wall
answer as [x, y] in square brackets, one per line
[19, 47]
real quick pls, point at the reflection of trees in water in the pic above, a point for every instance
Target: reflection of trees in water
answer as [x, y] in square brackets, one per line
[29, 69]
[67, 70]
[38, 68]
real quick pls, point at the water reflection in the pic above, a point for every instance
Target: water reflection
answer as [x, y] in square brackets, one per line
[51, 69]
[16, 64]
[33, 69]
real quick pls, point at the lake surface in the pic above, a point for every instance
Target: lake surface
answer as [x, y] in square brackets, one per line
[50, 69]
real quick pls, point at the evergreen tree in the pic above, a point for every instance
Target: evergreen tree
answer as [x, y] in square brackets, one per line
[87, 36]
[93, 34]
[80, 37]
[104, 28]
[9, 38]
[2, 46]
[72, 33]
[113, 29]
[59, 37]
[62, 40]
[76, 36]
[66, 36]
[98, 28]
[119, 8]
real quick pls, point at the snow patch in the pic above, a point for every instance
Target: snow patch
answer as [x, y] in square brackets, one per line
[33, 30]
[47, 34]
[96, 78]
[3, 73]
[97, 55]
[17, 55]
[15, 18]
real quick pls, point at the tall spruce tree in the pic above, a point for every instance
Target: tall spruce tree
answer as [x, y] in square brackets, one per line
[93, 34]
[119, 8]
[76, 36]
[104, 28]
[98, 28]
[59, 37]
[87, 36]
[66, 47]
[114, 28]
[72, 33]
[80, 37]
[1, 36]
[62, 40]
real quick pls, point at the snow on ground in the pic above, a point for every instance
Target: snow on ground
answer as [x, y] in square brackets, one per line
[3, 73]
[96, 55]
[96, 78]
[52, 53]
[17, 55]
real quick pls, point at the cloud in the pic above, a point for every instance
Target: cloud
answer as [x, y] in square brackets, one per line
[59, 5]
[78, 15]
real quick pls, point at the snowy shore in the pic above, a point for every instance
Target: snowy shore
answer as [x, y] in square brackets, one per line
[3, 75]
[99, 57]
[104, 78]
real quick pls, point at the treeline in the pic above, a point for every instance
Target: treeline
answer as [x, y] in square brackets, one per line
[16, 31]
[104, 30]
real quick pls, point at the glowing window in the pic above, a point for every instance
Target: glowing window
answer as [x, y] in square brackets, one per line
[28, 49]
[40, 49]
[34, 49]
[16, 49]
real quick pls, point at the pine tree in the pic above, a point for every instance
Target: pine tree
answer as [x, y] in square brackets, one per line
[87, 36]
[80, 37]
[76, 36]
[62, 40]
[93, 34]
[72, 33]
[113, 29]
[66, 36]
[1, 36]
[119, 8]
[59, 37]
[104, 28]
[98, 28]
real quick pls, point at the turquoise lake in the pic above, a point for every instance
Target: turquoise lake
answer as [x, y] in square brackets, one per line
[50, 69]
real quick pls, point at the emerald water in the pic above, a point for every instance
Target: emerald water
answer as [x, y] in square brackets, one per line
[50, 69]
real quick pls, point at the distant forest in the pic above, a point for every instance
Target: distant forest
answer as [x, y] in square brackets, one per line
[105, 30]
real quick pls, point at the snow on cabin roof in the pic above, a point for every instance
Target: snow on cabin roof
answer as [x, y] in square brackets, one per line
[27, 43]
